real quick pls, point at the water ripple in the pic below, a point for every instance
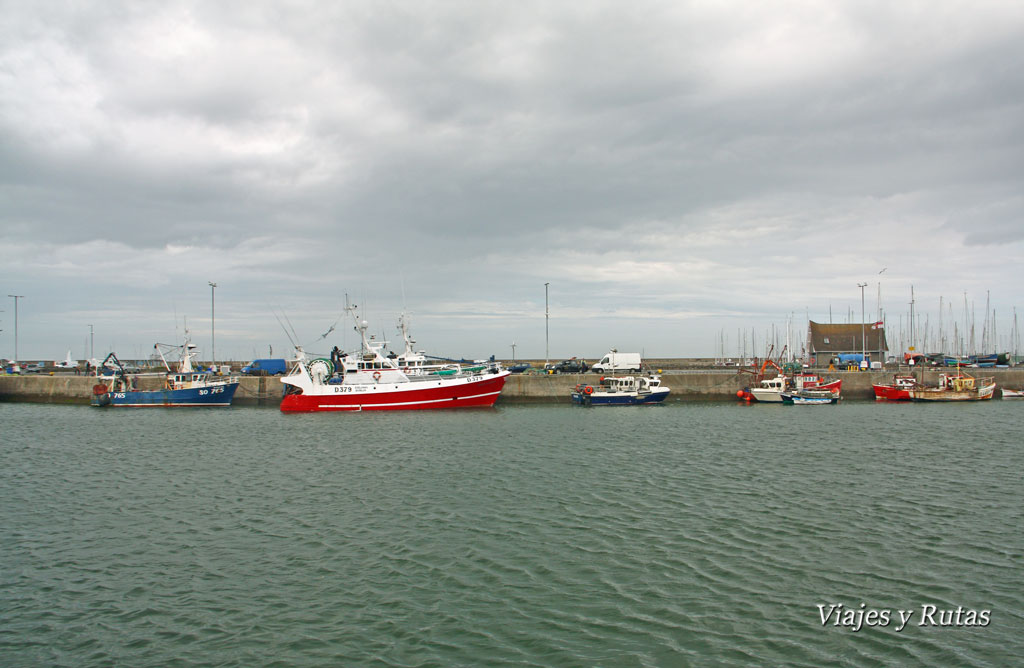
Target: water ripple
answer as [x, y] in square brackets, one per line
[526, 536]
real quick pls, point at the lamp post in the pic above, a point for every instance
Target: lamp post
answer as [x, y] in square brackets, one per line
[92, 352]
[881, 328]
[863, 350]
[16, 298]
[213, 322]
[547, 353]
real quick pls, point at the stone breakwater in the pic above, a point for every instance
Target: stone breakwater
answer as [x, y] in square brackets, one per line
[705, 385]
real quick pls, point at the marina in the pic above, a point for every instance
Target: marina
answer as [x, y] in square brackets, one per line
[716, 362]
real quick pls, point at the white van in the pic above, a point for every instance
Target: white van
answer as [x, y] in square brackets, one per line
[616, 361]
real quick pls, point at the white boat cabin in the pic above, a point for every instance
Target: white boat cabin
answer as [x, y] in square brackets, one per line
[639, 384]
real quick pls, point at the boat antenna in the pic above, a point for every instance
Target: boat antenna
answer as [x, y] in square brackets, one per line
[285, 314]
[291, 339]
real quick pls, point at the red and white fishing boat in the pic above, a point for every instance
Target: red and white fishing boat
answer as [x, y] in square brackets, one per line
[898, 390]
[369, 380]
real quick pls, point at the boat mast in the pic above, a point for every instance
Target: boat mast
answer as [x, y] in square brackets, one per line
[942, 335]
[985, 332]
[912, 339]
[1016, 336]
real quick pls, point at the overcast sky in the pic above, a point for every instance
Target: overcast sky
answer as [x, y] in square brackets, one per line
[677, 171]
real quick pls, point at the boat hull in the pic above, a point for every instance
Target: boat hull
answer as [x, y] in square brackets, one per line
[1013, 394]
[891, 393]
[936, 394]
[810, 401]
[766, 396]
[216, 395]
[477, 391]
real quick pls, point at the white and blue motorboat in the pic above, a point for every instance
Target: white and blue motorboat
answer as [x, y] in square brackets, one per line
[810, 397]
[183, 386]
[621, 391]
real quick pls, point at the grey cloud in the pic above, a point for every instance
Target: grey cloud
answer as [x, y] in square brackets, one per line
[475, 151]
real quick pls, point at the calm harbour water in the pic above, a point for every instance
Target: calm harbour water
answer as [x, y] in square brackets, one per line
[675, 535]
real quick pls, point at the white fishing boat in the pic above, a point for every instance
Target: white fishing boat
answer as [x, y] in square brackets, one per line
[1012, 394]
[770, 389]
[621, 391]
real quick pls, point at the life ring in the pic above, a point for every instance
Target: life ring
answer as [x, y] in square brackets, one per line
[376, 375]
[588, 390]
[99, 388]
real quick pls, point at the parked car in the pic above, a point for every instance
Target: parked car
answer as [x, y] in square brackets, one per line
[520, 368]
[572, 365]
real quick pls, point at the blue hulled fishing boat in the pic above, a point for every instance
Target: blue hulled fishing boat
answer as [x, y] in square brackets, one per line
[183, 386]
[621, 391]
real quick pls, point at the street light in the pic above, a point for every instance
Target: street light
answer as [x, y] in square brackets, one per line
[547, 350]
[92, 352]
[863, 349]
[16, 298]
[213, 347]
[881, 353]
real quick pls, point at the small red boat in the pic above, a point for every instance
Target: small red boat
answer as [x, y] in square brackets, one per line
[898, 390]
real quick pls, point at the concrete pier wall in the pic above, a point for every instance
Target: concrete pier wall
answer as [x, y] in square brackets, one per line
[723, 385]
[695, 385]
[68, 389]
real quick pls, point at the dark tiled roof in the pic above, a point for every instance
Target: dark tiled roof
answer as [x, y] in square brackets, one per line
[846, 338]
